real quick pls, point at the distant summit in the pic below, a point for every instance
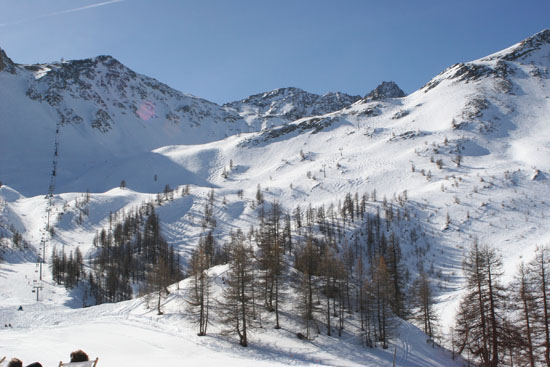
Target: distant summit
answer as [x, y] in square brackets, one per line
[6, 63]
[283, 105]
[384, 91]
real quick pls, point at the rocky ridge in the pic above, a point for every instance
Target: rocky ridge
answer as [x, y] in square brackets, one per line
[277, 107]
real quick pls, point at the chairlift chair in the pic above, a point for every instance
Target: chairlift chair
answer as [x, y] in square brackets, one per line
[91, 363]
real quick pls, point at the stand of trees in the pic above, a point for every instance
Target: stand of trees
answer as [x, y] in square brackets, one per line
[67, 270]
[337, 274]
[342, 259]
[131, 252]
[497, 326]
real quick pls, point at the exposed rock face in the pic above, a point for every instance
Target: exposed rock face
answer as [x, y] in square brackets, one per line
[384, 91]
[527, 46]
[5, 63]
[112, 90]
[279, 106]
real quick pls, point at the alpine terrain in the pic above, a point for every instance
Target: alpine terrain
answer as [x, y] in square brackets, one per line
[143, 224]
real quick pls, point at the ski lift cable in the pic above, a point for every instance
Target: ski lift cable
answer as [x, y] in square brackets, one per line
[49, 206]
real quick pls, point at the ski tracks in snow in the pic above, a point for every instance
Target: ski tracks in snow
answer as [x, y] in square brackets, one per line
[404, 355]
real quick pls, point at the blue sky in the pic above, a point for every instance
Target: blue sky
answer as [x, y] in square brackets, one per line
[225, 50]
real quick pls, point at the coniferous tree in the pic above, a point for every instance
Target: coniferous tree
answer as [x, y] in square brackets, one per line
[342, 277]
[308, 263]
[481, 321]
[237, 307]
[132, 251]
[328, 272]
[382, 287]
[158, 280]
[276, 264]
[525, 313]
[368, 310]
[200, 291]
[423, 303]
[259, 195]
[396, 273]
[541, 280]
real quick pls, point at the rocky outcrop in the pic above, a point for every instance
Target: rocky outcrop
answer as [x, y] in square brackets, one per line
[384, 91]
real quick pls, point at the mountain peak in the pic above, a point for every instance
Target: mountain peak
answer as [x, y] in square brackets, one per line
[6, 63]
[285, 90]
[283, 105]
[526, 47]
[385, 90]
[107, 60]
[539, 38]
[276, 93]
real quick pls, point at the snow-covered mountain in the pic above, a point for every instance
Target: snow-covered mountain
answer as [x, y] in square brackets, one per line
[271, 109]
[109, 116]
[470, 151]
[106, 114]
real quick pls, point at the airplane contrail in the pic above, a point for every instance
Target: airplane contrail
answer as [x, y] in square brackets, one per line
[62, 12]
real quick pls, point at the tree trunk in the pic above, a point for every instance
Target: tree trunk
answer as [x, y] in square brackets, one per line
[527, 322]
[159, 312]
[484, 351]
[328, 312]
[494, 330]
[546, 316]
[277, 326]
[244, 341]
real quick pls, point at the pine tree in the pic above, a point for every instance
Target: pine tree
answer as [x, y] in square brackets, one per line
[237, 306]
[158, 280]
[540, 267]
[200, 290]
[524, 310]
[396, 272]
[481, 321]
[276, 263]
[308, 263]
[328, 271]
[382, 286]
[423, 302]
[259, 195]
[368, 310]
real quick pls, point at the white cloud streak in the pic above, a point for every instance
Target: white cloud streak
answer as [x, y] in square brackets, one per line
[62, 12]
